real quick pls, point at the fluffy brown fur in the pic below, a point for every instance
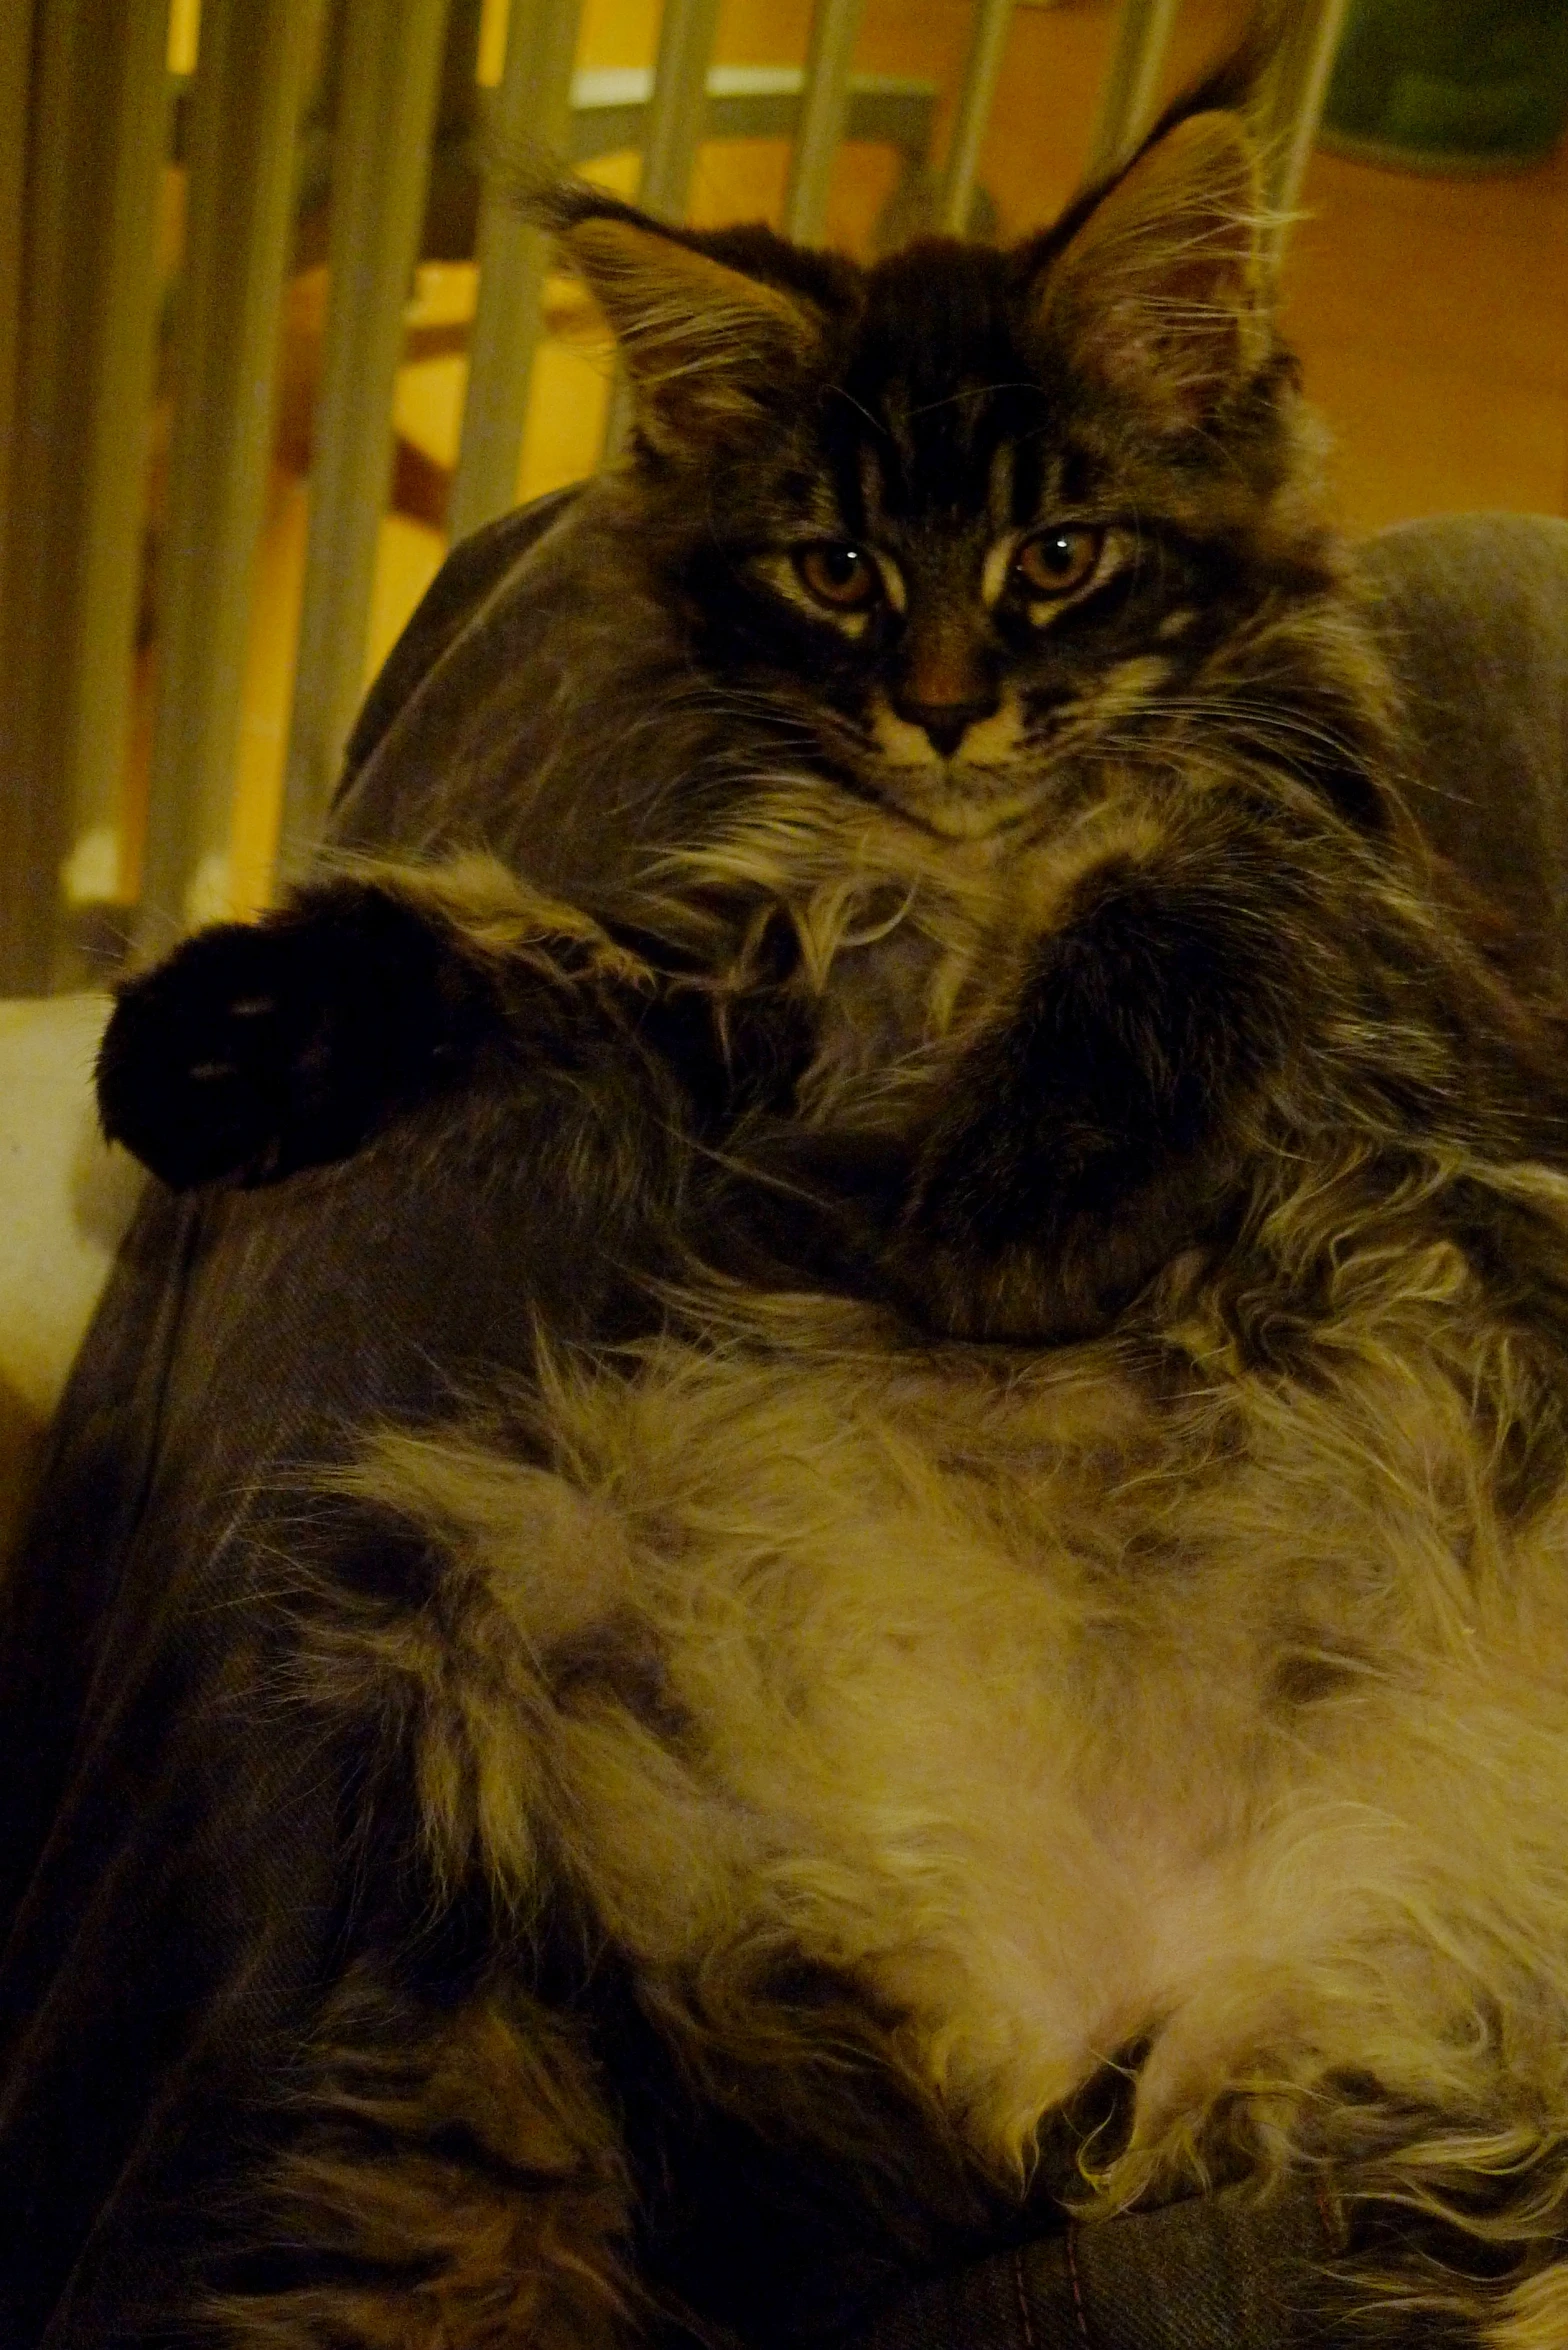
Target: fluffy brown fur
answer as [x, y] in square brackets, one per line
[1054, 1567]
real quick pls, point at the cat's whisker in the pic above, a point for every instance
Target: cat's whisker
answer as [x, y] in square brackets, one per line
[1258, 720]
[971, 393]
[838, 392]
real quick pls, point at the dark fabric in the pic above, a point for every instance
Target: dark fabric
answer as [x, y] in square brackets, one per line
[1472, 612]
[179, 1882]
[1193, 2276]
[471, 576]
[173, 1870]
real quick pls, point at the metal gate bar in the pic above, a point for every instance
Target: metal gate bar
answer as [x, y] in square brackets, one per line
[96, 717]
[674, 133]
[532, 112]
[987, 41]
[1293, 95]
[83, 151]
[1138, 50]
[675, 119]
[16, 52]
[55, 124]
[250, 78]
[824, 111]
[610, 107]
[381, 168]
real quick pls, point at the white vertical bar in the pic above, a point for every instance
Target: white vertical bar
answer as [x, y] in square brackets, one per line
[82, 79]
[823, 108]
[250, 74]
[532, 112]
[114, 483]
[676, 113]
[35, 49]
[381, 167]
[679, 105]
[1143, 35]
[987, 41]
[16, 57]
[1293, 94]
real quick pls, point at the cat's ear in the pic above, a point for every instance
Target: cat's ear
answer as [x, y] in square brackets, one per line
[705, 345]
[1165, 289]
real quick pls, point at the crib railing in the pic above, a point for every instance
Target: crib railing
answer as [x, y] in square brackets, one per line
[85, 98]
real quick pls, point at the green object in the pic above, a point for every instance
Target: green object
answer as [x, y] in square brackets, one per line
[1450, 85]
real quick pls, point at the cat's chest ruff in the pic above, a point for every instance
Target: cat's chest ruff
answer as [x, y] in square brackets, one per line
[825, 1663]
[909, 1703]
[915, 952]
[1037, 1704]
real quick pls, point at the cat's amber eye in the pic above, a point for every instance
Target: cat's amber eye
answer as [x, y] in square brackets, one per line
[1054, 562]
[844, 578]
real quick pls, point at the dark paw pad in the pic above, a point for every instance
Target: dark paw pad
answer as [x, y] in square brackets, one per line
[260, 1048]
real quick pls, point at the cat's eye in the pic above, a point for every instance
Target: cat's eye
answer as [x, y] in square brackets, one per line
[1054, 562]
[844, 578]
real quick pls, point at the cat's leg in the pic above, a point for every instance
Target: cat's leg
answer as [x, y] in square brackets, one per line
[451, 2181]
[258, 1048]
[1105, 1123]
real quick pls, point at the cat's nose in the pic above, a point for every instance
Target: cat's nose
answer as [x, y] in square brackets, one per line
[946, 723]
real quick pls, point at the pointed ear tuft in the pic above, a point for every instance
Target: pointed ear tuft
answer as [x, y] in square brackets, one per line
[1165, 288]
[704, 345]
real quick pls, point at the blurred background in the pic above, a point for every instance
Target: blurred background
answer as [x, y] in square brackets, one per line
[269, 341]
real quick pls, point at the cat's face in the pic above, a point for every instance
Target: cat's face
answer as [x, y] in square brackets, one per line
[969, 518]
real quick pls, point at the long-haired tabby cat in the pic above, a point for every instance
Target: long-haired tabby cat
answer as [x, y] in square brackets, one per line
[1054, 1573]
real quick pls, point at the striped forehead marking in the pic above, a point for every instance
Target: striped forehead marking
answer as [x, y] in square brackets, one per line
[869, 472]
[1003, 471]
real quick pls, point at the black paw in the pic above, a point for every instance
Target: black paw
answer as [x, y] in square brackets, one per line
[260, 1048]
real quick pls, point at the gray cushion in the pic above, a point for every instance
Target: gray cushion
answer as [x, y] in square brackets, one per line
[1472, 611]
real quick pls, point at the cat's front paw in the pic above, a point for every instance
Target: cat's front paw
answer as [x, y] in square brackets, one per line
[1104, 1127]
[260, 1048]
